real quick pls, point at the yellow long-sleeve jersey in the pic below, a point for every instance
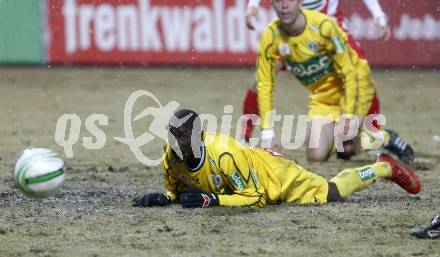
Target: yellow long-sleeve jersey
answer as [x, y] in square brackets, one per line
[243, 176]
[320, 58]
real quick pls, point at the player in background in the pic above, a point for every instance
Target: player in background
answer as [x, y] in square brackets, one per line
[333, 9]
[203, 170]
[315, 49]
[429, 231]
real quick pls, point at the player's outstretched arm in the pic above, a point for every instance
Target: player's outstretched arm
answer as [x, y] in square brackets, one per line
[267, 66]
[380, 18]
[342, 62]
[244, 184]
[251, 13]
[242, 180]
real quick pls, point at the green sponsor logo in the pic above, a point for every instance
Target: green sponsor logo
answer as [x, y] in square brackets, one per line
[254, 178]
[366, 173]
[237, 181]
[312, 70]
[339, 47]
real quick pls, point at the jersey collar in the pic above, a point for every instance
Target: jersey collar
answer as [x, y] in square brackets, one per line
[202, 160]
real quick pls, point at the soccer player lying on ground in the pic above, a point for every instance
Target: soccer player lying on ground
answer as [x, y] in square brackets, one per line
[202, 170]
[315, 49]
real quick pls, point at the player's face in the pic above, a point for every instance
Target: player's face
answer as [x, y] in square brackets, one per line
[180, 139]
[184, 140]
[287, 10]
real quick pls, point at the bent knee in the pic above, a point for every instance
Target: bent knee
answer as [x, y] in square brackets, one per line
[315, 155]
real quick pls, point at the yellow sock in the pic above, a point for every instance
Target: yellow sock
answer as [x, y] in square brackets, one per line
[349, 181]
[385, 135]
[373, 140]
[333, 150]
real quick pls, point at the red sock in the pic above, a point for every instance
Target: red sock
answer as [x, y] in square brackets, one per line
[250, 106]
[375, 109]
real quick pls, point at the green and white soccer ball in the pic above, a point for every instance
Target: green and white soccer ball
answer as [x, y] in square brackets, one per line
[39, 172]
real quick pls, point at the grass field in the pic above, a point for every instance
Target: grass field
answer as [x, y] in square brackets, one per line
[92, 214]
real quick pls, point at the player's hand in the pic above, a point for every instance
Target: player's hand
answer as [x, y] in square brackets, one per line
[153, 199]
[251, 13]
[198, 199]
[269, 141]
[383, 27]
[272, 144]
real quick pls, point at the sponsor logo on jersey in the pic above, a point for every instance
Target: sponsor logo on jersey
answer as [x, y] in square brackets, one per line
[366, 173]
[284, 49]
[312, 70]
[217, 180]
[254, 178]
[237, 181]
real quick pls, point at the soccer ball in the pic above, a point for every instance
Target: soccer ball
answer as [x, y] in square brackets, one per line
[39, 172]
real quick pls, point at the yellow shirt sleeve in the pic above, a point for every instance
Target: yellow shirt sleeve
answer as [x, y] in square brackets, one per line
[265, 75]
[171, 183]
[245, 185]
[343, 62]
